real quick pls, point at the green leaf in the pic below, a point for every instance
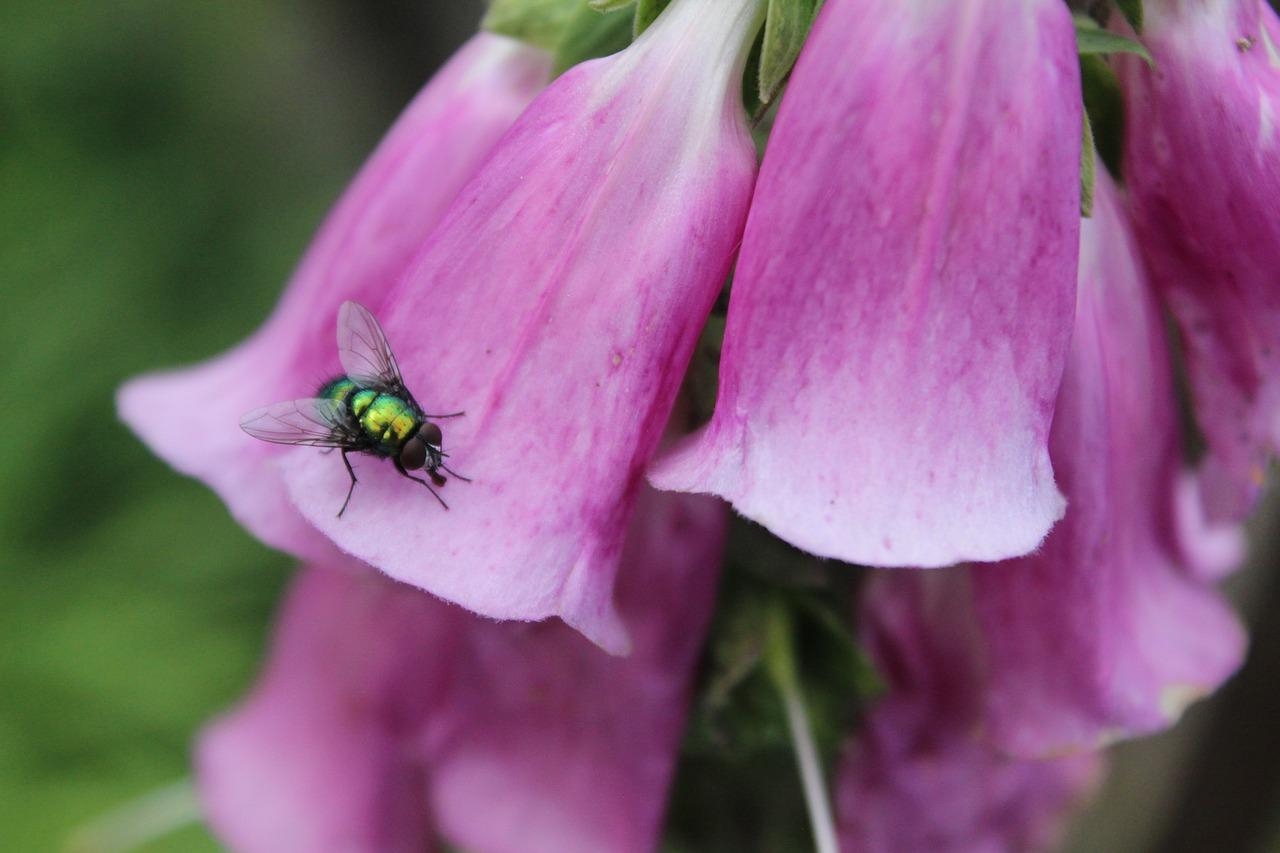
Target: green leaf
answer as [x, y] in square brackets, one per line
[541, 23]
[609, 5]
[1132, 11]
[1091, 38]
[848, 666]
[736, 712]
[591, 34]
[647, 11]
[756, 108]
[738, 649]
[787, 24]
[1105, 104]
[1088, 168]
[809, 654]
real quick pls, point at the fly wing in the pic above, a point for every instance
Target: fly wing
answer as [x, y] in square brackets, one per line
[366, 356]
[313, 421]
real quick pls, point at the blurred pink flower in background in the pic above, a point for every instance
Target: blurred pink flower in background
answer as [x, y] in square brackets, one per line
[1202, 165]
[894, 347]
[918, 776]
[387, 718]
[190, 417]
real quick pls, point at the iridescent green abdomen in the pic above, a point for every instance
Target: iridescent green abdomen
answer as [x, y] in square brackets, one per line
[388, 420]
[361, 400]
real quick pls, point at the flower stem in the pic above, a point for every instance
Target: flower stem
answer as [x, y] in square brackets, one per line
[139, 821]
[781, 663]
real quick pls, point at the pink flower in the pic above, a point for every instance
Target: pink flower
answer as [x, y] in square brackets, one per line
[558, 304]
[190, 417]
[1202, 163]
[918, 777]
[999, 671]
[1106, 632]
[386, 717]
[921, 337]
[1209, 550]
[902, 307]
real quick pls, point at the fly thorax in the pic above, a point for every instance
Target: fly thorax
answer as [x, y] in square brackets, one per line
[339, 389]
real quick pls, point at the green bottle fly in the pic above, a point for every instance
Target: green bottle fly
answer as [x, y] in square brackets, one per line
[369, 410]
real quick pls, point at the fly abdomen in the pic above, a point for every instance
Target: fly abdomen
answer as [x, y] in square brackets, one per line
[361, 400]
[386, 419]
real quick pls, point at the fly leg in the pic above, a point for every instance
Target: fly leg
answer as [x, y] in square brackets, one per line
[455, 474]
[450, 415]
[347, 462]
[438, 462]
[408, 476]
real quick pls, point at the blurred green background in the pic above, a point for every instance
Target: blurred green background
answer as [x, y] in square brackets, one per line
[162, 166]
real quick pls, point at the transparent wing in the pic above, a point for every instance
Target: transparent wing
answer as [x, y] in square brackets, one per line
[314, 421]
[364, 351]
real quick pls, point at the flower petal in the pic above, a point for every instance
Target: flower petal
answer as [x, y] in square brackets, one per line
[551, 745]
[317, 758]
[190, 416]
[558, 304]
[1202, 163]
[1104, 633]
[902, 307]
[1209, 550]
[385, 712]
[918, 777]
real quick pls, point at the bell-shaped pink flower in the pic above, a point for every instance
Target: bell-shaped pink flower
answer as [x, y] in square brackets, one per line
[918, 777]
[558, 304]
[317, 757]
[191, 417]
[387, 718]
[902, 306]
[1106, 632]
[1210, 550]
[1202, 164]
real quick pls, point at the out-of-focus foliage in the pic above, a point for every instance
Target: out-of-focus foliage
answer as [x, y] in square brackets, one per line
[589, 34]
[163, 165]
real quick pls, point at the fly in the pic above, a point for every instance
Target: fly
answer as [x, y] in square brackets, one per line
[366, 410]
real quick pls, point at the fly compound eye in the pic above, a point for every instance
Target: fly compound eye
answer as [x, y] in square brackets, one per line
[413, 455]
[430, 433]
